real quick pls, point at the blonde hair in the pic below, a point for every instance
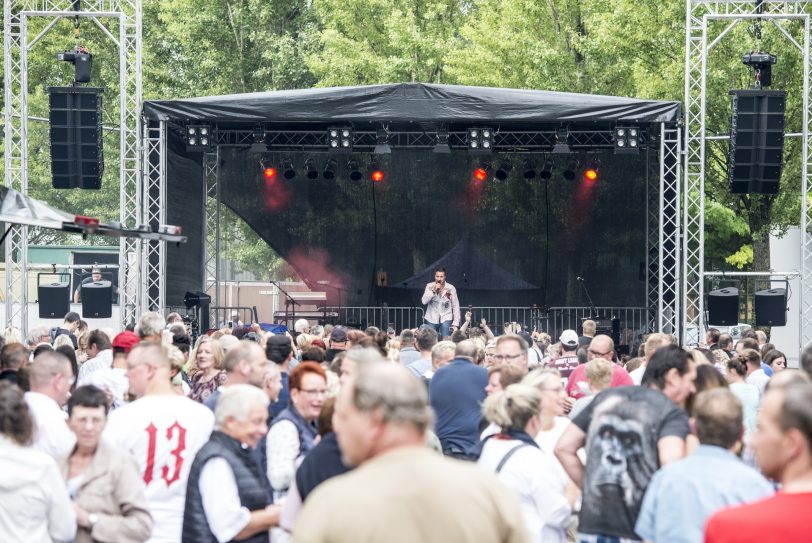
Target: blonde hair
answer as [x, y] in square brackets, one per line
[655, 341]
[599, 373]
[216, 351]
[12, 335]
[303, 341]
[175, 357]
[539, 378]
[63, 339]
[512, 407]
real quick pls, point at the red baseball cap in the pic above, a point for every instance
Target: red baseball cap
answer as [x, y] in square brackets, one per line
[125, 341]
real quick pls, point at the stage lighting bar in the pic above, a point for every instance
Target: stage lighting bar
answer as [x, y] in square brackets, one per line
[382, 142]
[340, 139]
[627, 140]
[562, 141]
[199, 137]
[354, 170]
[503, 170]
[547, 170]
[330, 169]
[310, 168]
[480, 140]
[288, 171]
[442, 142]
[572, 169]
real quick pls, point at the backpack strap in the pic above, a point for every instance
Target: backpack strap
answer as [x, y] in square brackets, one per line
[508, 455]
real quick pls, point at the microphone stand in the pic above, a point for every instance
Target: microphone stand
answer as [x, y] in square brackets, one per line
[289, 301]
[588, 298]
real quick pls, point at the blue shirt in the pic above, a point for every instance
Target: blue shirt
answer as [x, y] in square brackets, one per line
[683, 495]
[456, 394]
[420, 366]
[767, 369]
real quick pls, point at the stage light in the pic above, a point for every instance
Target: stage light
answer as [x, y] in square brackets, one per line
[375, 172]
[503, 170]
[198, 137]
[593, 170]
[312, 171]
[355, 171]
[340, 139]
[572, 168]
[529, 169]
[442, 142]
[547, 170]
[258, 136]
[561, 144]
[382, 142]
[268, 171]
[330, 169]
[287, 168]
[627, 140]
[480, 140]
[481, 172]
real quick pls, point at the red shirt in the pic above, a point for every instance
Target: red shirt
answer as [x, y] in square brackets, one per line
[781, 518]
[620, 378]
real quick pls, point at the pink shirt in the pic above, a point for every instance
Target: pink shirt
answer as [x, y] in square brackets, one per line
[620, 378]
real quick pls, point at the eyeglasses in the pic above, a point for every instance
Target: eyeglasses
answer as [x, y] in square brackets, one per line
[600, 354]
[314, 392]
[507, 357]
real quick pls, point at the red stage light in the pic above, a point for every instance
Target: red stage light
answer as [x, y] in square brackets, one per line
[481, 174]
[590, 174]
[269, 173]
[378, 176]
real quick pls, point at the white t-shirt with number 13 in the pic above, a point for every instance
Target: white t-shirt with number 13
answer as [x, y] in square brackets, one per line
[163, 433]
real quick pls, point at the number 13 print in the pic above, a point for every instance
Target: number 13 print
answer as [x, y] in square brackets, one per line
[176, 431]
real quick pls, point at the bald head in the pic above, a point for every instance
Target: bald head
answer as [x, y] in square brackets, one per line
[602, 346]
[467, 348]
[47, 365]
[150, 352]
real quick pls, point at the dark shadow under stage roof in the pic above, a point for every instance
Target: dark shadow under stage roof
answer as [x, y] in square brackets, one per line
[413, 102]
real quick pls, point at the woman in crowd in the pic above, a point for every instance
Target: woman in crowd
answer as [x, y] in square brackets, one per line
[34, 503]
[226, 497]
[294, 431]
[776, 360]
[747, 394]
[177, 359]
[82, 342]
[500, 377]
[515, 457]
[104, 483]
[707, 377]
[207, 373]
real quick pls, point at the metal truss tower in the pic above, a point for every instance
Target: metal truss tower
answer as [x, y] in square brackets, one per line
[16, 47]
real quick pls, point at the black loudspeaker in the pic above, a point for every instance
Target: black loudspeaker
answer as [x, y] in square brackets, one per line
[771, 307]
[756, 141]
[723, 306]
[77, 160]
[54, 300]
[97, 300]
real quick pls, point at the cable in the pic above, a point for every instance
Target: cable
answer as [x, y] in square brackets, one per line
[546, 239]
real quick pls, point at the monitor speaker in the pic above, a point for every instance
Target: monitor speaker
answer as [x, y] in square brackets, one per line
[756, 141]
[75, 116]
[54, 300]
[771, 307]
[723, 306]
[97, 300]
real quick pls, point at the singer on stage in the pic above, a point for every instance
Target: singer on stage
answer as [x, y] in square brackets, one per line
[442, 305]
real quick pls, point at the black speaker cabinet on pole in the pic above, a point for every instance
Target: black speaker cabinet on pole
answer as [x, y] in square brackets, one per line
[77, 160]
[756, 141]
[723, 306]
[771, 307]
[97, 300]
[53, 299]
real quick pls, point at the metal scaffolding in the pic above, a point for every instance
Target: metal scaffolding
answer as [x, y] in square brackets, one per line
[698, 45]
[16, 47]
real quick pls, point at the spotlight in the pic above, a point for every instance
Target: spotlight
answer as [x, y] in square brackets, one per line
[259, 140]
[375, 172]
[481, 173]
[312, 171]
[480, 140]
[529, 170]
[442, 142]
[287, 168]
[340, 139]
[355, 171]
[627, 140]
[382, 142]
[198, 137]
[592, 172]
[268, 171]
[547, 170]
[503, 170]
[561, 145]
[572, 168]
[330, 169]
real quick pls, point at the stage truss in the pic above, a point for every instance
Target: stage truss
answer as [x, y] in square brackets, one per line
[16, 45]
[698, 45]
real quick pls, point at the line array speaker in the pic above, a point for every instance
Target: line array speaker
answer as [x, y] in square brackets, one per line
[77, 158]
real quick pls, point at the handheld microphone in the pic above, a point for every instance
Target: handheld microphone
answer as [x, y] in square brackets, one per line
[579, 278]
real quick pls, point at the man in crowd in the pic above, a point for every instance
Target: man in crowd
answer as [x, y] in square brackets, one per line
[279, 350]
[511, 349]
[756, 375]
[69, 327]
[456, 394]
[113, 380]
[12, 357]
[726, 344]
[408, 353]
[653, 342]
[712, 339]
[683, 494]
[151, 327]
[338, 343]
[163, 431]
[589, 326]
[441, 354]
[51, 378]
[95, 277]
[426, 339]
[628, 432]
[402, 491]
[245, 364]
[442, 305]
[783, 449]
[601, 346]
[100, 351]
[568, 359]
[37, 336]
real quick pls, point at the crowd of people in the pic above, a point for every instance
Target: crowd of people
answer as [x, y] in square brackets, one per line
[443, 433]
